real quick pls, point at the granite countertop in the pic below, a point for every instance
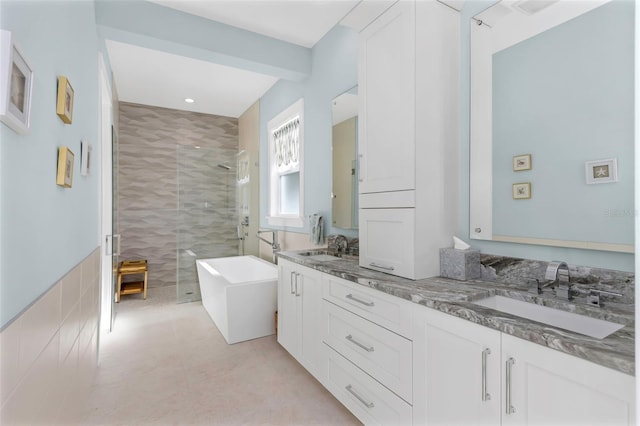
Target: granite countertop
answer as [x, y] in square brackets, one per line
[616, 351]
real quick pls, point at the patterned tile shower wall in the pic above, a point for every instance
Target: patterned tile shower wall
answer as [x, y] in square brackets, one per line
[174, 203]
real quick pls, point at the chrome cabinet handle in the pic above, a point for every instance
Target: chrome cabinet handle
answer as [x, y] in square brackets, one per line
[367, 404]
[375, 265]
[359, 161]
[291, 283]
[510, 408]
[485, 396]
[297, 289]
[355, 342]
[355, 299]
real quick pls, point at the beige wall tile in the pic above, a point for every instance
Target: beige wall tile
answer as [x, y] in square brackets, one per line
[70, 291]
[41, 377]
[69, 331]
[9, 356]
[39, 323]
[30, 399]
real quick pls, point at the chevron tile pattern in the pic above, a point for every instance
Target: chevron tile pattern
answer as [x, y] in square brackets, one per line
[174, 203]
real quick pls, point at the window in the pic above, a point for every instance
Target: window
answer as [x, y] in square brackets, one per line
[286, 134]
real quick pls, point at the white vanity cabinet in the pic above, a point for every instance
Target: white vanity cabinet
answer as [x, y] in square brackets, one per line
[299, 303]
[553, 388]
[367, 361]
[387, 240]
[469, 374]
[457, 371]
[408, 136]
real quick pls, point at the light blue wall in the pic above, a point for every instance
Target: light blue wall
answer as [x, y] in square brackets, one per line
[594, 258]
[566, 98]
[46, 230]
[334, 71]
[152, 26]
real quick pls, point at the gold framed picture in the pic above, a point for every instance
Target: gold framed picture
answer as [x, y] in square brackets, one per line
[522, 162]
[521, 191]
[65, 167]
[64, 105]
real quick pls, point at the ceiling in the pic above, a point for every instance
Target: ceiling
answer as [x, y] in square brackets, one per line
[151, 77]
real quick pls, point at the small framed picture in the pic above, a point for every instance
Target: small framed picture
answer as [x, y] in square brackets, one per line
[16, 85]
[85, 158]
[521, 191]
[522, 162]
[64, 105]
[601, 171]
[65, 167]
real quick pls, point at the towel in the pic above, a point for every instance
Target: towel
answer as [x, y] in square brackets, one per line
[316, 229]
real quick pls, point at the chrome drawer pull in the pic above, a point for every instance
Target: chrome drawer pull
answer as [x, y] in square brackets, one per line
[375, 265]
[291, 283]
[485, 395]
[355, 299]
[297, 290]
[355, 342]
[367, 404]
[510, 408]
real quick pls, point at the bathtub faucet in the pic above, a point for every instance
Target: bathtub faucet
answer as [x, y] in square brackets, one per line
[274, 239]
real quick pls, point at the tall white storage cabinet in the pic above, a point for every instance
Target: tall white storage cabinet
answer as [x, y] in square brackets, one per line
[408, 137]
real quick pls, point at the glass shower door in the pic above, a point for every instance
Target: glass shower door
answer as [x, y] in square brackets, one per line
[206, 216]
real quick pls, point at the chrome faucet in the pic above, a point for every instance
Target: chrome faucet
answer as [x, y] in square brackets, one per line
[341, 243]
[535, 286]
[274, 239]
[558, 272]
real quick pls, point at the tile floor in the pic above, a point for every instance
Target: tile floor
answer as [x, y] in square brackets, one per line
[167, 363]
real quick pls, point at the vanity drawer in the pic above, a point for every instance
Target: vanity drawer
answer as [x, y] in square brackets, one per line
[367, 399]
[384, 355]
[388, 311]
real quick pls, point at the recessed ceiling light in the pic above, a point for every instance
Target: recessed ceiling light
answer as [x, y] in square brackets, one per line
[189, 100]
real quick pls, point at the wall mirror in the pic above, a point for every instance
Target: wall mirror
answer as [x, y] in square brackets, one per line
[344, 195]
[552, 127]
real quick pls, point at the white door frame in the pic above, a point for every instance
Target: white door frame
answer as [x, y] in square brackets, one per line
[106, 194]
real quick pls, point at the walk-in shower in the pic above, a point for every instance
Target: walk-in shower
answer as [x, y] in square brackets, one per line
[206, 219]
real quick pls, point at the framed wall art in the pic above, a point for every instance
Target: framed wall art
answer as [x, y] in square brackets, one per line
[601, 171]
[65, 167]
[521, 191]
[521, 162]
[85, 158]
[64, 105]
[16, 85]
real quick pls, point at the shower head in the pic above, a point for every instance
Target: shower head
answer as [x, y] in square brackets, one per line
[224, 166]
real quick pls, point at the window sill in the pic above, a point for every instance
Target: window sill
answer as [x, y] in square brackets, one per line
[293, 222]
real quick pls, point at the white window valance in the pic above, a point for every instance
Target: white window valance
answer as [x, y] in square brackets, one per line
[286, 146]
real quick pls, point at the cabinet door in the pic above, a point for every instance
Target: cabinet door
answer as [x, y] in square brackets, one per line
[288, 324]
[456, 371]
[548, 387]
[386, 90]
[387, 239]
[310, 303]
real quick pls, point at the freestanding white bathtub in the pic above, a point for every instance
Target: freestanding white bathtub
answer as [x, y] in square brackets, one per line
[240, 295]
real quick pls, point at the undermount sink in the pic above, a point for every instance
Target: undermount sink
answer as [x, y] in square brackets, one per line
[582, 324]
[319, 256]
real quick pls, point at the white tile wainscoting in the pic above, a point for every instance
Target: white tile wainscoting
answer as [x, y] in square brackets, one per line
[49, 352]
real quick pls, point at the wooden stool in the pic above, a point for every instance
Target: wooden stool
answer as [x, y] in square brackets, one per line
[131, 267]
